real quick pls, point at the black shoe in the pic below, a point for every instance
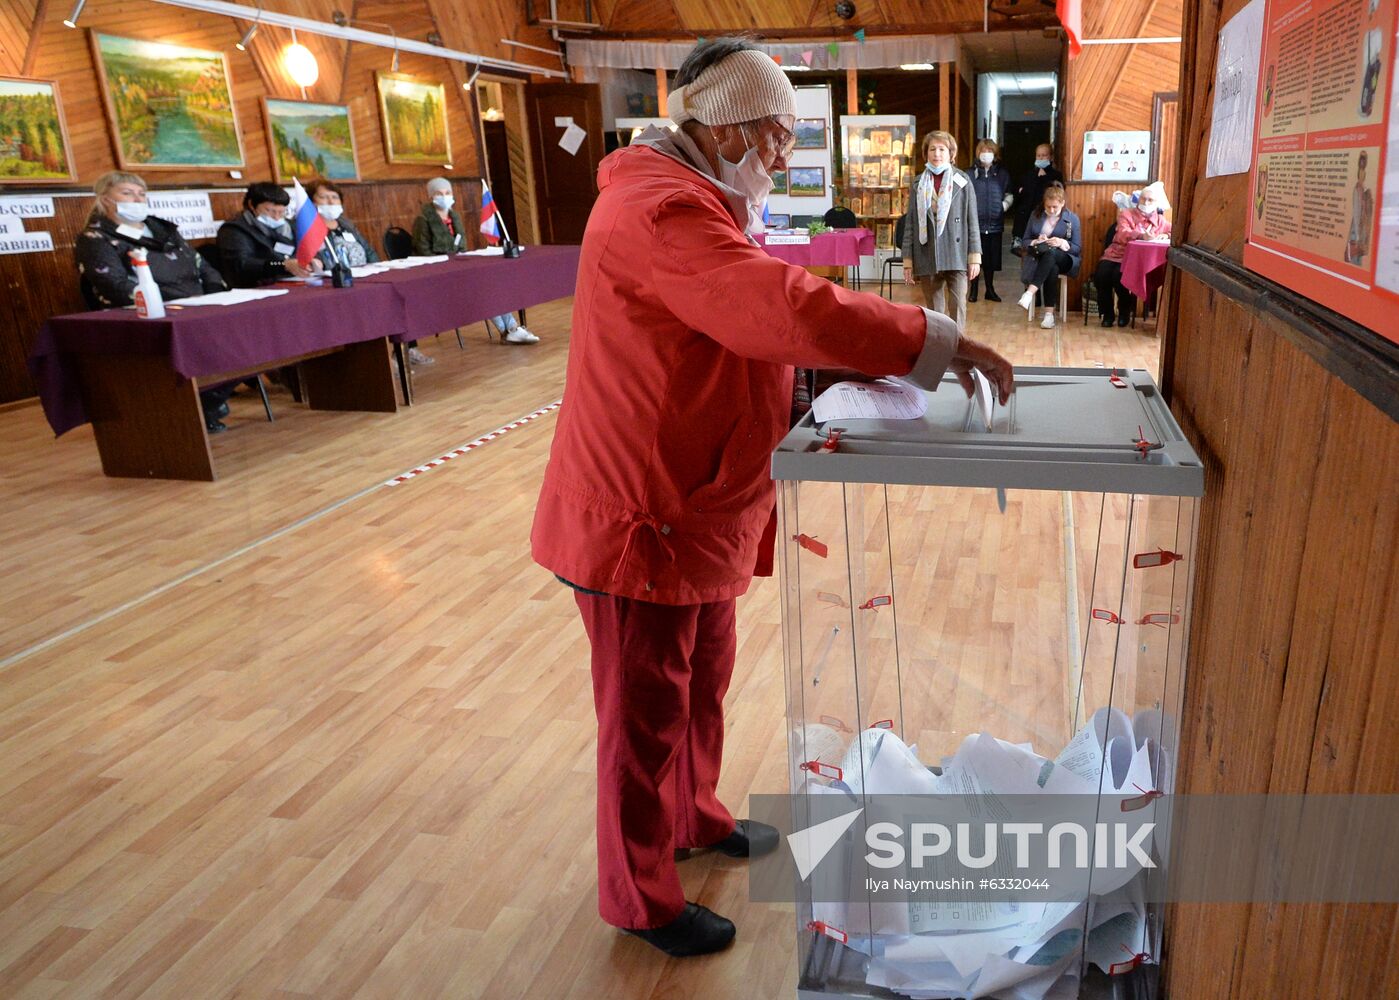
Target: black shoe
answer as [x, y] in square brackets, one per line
[991, 295]
[697, 931]
[1107, 319]
[1124, 319]
[971, 294]
[214, 425]
[221, 411]
[750, 839]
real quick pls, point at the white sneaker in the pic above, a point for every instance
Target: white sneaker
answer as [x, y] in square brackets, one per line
[1048, 321]
[520, 335]
[417, 357]
[1027, 301]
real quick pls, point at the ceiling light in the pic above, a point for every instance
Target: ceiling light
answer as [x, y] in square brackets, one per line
[917, 66]
[242, 45]
[72, 19]
[300, 63]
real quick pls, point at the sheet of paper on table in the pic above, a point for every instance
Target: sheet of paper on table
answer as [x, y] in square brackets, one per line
[398, 265]
[232, 297]
[483, 252]
[874, 400]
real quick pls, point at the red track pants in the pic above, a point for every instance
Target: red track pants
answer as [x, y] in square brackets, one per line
[659, 677]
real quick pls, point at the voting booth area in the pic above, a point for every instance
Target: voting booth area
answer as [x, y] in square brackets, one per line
[988, 609]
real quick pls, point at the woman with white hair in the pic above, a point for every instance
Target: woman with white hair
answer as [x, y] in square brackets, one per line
[1144, 221]
[120, 222]
[657, 508]
[438, 230]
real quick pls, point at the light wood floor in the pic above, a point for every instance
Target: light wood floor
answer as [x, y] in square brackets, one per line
[298, 734]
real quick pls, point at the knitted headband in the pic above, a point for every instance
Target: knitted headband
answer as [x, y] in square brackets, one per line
[739, 88]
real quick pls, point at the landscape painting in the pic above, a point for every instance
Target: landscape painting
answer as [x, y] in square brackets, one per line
[310, 140]
[414, 114]
[169, 106]
[33, 140]
[811, 133]
[807, 182]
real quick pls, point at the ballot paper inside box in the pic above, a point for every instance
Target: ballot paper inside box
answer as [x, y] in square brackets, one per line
[988, 607]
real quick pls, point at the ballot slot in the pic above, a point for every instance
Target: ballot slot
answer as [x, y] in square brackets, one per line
[932, 632]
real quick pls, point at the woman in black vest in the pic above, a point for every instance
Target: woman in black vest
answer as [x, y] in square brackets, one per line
[257, 244]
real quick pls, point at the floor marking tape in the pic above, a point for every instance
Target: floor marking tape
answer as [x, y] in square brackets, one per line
[471, 445]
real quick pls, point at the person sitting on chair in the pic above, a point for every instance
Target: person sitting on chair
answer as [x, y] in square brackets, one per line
[257, 244]
[120, 222]
[342, 238]
[1145, 222]
[1053, 241]
[438, 230]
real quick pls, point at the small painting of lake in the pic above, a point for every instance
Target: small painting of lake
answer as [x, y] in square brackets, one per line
[169, 105]
[310, 140]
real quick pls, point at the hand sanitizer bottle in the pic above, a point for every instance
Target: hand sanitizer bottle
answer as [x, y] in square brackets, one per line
[149, 304]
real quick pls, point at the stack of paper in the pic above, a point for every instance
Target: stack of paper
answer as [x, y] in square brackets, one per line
[1019, 950]
[232, 297]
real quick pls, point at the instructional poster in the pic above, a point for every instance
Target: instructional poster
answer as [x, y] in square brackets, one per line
[1325, 199]
[1117, 156]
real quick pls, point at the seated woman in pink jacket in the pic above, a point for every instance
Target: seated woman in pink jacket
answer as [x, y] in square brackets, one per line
[657, 507]
[1144, 222]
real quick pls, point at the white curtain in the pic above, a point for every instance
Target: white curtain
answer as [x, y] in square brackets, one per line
[873, 53]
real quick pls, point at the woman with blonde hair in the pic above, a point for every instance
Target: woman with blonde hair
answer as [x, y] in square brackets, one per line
[942, 240]
[120, 222]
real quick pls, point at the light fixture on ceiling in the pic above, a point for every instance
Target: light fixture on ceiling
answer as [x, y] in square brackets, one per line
[300, 63]
[912, 66]
[72, 19]
[242, 45]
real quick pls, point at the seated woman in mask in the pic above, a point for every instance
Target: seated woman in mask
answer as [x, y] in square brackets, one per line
[1144, 221]
[257, 244]
[438, 230]
[342, 238]
[121, 222]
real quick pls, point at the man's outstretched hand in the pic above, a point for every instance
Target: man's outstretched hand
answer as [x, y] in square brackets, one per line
[974, 354]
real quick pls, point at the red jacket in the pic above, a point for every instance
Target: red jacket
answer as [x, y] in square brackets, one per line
[679, 385]
[1134, 224]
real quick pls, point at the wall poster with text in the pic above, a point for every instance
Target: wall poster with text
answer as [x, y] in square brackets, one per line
[1323, 213]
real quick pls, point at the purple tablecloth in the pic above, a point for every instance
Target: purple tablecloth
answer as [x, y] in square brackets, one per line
[836, 248]
[1144, 267]
[438, 297]
[201, 341]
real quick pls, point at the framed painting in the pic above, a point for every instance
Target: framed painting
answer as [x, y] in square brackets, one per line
[807, 182]
[811, 133]
[414, 116]
[309, 140]
[779, 182]
[34, 145]
[882, 142]
[170, 107]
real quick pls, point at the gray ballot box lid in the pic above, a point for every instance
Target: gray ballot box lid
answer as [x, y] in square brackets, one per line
[1094, 430]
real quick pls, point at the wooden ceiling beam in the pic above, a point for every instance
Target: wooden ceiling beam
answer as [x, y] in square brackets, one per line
[823, 34]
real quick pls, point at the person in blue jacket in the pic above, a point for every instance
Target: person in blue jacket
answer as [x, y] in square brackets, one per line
[1053, 242]
[993, 199]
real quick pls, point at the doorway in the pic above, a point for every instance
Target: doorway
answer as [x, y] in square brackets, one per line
[505, 133]
[1019, 140]
[498, 168]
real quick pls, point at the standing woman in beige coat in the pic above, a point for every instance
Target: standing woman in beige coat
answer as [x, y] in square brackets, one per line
[942, 238]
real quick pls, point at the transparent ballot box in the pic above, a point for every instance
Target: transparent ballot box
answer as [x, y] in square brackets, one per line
[992, 619]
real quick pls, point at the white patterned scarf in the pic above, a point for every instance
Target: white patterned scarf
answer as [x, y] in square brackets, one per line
[938, 203]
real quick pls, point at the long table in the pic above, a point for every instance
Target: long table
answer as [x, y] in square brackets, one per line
[137, 380]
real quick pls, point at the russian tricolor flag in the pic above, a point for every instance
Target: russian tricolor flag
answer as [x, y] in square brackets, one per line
[309, 226]
[490, 224]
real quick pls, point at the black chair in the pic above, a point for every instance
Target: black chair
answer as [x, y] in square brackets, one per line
[841, 217]
[887, 271]
[213, 256]
[1089, 289]
[398, 243]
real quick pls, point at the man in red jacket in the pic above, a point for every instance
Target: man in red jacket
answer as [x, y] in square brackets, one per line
[657, 507]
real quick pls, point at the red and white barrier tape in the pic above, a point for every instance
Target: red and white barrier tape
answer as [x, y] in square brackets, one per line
[473, 445]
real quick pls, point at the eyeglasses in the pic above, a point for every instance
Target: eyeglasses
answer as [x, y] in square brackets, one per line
[787, 139]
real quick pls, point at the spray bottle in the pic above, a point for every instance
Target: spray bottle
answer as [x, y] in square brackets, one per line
[149, 304]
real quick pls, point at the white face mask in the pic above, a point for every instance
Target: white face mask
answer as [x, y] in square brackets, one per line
[940, 169]
[1147, 207]
[443, 201]
[750, 178]
[132, 211]
[270, 221]
[331, 212]
[987, 159]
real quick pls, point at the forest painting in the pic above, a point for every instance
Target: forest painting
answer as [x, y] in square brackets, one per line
[170, 106]
[414, 113]
[33, 141]
[310, 140]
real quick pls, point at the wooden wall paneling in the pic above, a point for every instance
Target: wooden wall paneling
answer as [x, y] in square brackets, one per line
[16, 31]
[522, 179]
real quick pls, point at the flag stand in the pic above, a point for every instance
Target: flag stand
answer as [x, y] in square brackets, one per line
[508, 247]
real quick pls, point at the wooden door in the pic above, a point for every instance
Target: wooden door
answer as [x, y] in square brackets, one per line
[502, 179]
[565, 183]
[1165, 143]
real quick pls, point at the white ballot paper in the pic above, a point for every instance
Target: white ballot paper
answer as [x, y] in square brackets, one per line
[483, 252]
[874, 400]
[230, 298]
[984, 397]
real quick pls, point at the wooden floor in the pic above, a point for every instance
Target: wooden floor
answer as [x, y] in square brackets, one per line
[301, 734]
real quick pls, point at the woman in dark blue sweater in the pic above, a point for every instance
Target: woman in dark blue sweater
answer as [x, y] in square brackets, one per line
[992, 182]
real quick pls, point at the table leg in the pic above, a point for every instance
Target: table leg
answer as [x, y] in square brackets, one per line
[404, 371]
[146, 418]
[356, 377]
